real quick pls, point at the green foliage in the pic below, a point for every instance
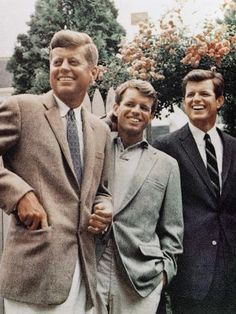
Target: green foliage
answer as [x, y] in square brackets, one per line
[29, 63]
[165, 56]
[228, 69]
[112, 74]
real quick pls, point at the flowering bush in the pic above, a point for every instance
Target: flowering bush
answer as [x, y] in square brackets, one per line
[144, 55]
[212, 44]
[164, 55]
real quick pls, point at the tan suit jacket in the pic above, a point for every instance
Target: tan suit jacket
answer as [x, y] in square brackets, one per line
[37, 266]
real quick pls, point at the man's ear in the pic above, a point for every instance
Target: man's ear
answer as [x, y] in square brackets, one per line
[152, 116]
[94, 74]
[220, 102]
[115, 109]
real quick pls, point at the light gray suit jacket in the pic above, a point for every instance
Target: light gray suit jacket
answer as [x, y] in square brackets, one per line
[148, 227]
[37, 266]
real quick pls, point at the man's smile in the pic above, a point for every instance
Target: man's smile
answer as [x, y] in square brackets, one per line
[198, 107]
[65, 78]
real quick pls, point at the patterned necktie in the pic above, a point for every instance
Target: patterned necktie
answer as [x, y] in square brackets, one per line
[212, 167]
[73, 142]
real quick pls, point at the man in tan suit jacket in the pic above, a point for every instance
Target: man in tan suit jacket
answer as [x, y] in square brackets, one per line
[49, 252]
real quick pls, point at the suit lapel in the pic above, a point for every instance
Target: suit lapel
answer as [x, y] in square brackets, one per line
[54, 119]
[112, 163]
[190, 147]
[227, 159]
[144, 167]
[89, 153]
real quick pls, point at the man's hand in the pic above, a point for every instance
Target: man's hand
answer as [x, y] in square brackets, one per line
[31, 213]
[164, 279]
[100, 219]
[111, 120]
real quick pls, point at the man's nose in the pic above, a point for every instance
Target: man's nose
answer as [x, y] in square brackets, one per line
[197, 97]
[65, 65]
[136, 109]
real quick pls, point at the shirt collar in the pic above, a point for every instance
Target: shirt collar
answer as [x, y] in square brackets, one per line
[199, 134]
[213, 132]
[63, 109]
[143, 144]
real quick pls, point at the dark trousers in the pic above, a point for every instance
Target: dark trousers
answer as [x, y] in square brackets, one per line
[206, 306]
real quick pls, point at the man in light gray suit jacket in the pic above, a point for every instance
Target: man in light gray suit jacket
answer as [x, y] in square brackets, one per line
[138, 253]
[48, 263]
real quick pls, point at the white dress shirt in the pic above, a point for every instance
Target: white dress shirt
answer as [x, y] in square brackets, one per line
[63, 108]
[198, 136]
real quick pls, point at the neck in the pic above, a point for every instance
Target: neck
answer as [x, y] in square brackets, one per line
[129, 140]
[71, 102]
[204, 127]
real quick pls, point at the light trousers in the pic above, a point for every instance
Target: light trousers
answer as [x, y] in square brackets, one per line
[114, 293]
[74, 304]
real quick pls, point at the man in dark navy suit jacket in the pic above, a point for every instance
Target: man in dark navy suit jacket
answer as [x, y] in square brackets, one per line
[206, 278]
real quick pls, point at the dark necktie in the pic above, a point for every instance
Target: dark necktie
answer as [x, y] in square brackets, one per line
[73, 142]
[212, 167]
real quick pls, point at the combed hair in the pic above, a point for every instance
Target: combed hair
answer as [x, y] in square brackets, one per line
[67, 38]
[199, 75]
[144, 87]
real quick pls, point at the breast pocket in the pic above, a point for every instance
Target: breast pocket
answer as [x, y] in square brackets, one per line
[156, 184]
[99, 155]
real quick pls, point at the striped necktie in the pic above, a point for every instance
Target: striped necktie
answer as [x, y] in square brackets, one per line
[212, 167]
[73, 142]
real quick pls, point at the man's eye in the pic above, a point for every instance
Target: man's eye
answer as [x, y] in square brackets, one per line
[190, 95]
[57, 62]
[74, 62]
[146, 109]
[129, 105]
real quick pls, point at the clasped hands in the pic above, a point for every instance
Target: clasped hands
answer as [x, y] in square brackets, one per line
[33, 216]
[100, 219]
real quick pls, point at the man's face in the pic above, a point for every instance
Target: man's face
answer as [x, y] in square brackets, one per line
[133, 114]
[70, 74]
[201, 104]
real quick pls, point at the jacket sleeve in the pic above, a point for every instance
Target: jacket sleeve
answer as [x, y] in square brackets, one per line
[170, 226]
[12, 187]
[103, 194]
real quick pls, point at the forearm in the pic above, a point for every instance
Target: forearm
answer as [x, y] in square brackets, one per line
[103, 194]
[12, 186]
[12, 189]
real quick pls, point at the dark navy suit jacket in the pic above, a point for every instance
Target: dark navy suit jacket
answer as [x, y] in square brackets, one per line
[206, 219]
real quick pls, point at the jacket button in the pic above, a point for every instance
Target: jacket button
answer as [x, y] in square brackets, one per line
[214, 242]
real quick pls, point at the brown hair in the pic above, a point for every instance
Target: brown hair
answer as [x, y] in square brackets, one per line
[67, 38]
[199, 75]
[144, 87]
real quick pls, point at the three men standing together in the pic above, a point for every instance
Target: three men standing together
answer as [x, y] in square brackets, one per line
[56, 179]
